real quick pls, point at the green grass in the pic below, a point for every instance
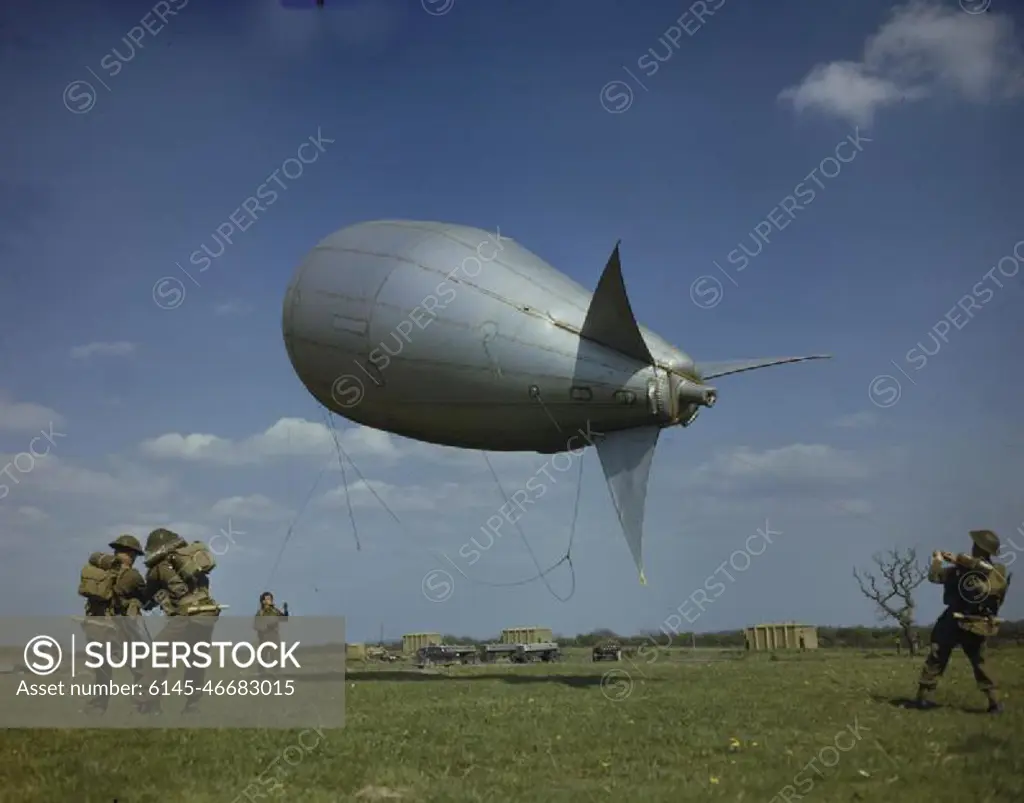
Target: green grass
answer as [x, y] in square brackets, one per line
[550, 733]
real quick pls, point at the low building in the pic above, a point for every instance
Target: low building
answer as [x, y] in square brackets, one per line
[411, 642]
[785, 636]
[526, 635]
[355, 652]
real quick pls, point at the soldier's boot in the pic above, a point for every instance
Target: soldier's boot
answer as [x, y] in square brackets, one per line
[191, 705]
[923, 700]
[149, 707]
[994, 706]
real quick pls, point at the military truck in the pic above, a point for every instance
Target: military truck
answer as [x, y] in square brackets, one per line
[380, 654]
[608, 651]
[445, 655]
[542, 651]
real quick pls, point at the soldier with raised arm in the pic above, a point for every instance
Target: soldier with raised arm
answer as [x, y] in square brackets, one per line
[973, 589]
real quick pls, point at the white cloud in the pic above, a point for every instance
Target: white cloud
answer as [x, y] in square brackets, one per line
[289, 437]
[853, 507]
[255, 507]
[127, 484]
[861, 420]
[410, 498]
[32, 515]
[798, 464]
[232, 308]
[120, 348]
[141, 528]
[923, 50]
[26, 416]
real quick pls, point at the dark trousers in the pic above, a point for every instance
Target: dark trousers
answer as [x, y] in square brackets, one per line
[188, 629]
[946, 636]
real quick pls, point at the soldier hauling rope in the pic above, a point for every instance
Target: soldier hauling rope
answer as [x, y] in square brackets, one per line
[179, 582]
[113, 589]
[974, 589]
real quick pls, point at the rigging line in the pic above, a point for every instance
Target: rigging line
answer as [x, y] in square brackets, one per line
[295, 521]
[542, 574]
[455, 566]
[344, 480]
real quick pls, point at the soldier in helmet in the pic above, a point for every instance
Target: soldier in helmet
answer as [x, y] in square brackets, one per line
[974, 588]
[112, 587]
[178, 581]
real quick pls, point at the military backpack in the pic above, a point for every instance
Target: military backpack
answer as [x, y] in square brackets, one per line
[193, 561]
[98, 578]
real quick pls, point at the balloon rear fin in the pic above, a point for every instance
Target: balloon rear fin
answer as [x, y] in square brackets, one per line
[713, 370]
[610, 320]
[626, 458]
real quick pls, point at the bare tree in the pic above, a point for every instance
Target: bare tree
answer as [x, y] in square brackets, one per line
[899, 574]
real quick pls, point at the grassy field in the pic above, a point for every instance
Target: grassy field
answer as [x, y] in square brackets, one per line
[694, 725]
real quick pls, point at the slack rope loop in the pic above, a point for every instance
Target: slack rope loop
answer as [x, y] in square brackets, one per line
[541, 574]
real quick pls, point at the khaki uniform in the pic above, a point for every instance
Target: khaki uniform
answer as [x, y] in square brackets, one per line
[267, 625]
[105, 622]
[178, 599]
[970, 590]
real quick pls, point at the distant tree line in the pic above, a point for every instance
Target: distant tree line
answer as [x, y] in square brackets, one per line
[857, 637]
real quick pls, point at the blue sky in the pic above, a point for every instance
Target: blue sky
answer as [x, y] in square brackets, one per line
[493, 115]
